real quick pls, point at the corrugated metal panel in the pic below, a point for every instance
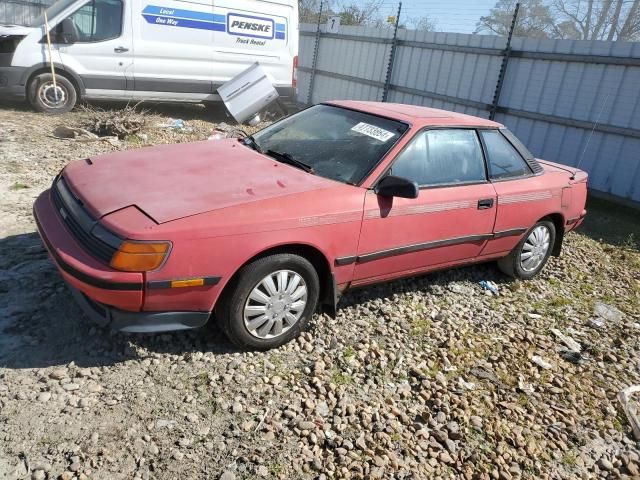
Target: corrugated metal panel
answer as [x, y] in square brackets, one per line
[21, 12]
[542, 96]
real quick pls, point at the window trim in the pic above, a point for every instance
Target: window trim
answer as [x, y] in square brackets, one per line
[488, 162]
[122, 18]
[442, 185]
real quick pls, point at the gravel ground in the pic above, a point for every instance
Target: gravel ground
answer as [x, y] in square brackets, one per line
[429, 377]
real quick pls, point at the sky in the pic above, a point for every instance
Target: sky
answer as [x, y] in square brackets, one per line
[458, 16]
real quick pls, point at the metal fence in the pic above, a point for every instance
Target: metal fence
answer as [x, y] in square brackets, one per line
[571, 101]
[21, 12]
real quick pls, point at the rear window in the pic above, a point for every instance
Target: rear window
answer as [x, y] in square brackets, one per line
[341, 144]
[504, 160]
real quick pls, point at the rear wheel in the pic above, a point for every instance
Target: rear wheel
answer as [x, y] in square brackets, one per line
[270, 302]
[532, 253]
[46, 97]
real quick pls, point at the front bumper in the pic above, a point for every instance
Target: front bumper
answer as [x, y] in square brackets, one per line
[138, 322]
[107, 296]
[11, 86]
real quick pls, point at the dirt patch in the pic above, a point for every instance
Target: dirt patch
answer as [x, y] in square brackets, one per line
[429, 377]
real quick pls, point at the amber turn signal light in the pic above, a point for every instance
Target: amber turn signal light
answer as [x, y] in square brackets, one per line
[140, 256]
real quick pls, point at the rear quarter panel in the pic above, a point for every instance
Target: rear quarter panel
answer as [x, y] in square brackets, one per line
[524, 201]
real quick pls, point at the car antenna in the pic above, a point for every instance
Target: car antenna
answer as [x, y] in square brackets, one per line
[595, 124]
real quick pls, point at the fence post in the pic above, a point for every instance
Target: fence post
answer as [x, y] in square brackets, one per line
[503, 67]
[392, 54]
[316, 47]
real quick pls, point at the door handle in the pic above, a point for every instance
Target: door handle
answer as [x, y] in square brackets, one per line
[485, 203]
[120, 49]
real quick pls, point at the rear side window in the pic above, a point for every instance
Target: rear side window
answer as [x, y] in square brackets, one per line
[442, 157]
[97, 21]
[503, 159]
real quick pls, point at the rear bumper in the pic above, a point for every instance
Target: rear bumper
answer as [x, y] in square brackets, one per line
[574, 223]
[138, 322]
[11, 87]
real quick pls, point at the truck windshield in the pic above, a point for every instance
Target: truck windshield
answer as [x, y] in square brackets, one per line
[53, 11]
[333, 142]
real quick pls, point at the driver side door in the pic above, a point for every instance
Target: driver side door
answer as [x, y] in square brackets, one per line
[102, 51]
[451, 220]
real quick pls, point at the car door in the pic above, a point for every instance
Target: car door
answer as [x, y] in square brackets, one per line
[450, 221]
[521, 194]
[174, 46]
[95, 42]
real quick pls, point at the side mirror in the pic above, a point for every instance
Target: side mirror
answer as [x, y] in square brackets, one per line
[391, 186]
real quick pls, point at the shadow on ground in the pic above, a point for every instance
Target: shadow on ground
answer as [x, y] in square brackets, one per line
[612, 223]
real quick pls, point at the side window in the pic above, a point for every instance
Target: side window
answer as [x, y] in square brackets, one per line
[504, 160]
[97, 21]
[442, 157]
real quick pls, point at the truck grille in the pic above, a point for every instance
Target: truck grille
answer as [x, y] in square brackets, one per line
[93, 237]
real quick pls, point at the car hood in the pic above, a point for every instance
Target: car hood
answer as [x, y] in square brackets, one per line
[169, 182]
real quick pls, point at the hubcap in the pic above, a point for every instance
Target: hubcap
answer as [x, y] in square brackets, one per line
[535, 248]
[275, 304]
[52, 97]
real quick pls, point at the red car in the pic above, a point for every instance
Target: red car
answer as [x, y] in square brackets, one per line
[261, 231]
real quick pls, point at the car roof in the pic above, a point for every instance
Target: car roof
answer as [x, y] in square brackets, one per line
[417, 115]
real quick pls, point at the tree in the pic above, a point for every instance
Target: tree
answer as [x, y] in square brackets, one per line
[353, 14]
[423, 23]
[534, 19]
[601, 19]
[571, 19]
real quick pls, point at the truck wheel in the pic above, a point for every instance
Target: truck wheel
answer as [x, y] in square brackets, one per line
[270, 302]
[531, 254]
[47, 99]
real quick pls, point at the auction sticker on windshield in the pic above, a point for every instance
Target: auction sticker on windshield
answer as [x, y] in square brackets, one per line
[372, 131]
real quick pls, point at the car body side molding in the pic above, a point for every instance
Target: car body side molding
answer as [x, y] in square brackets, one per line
[368, 257]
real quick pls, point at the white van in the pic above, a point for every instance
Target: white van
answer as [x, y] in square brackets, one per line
[158, 50]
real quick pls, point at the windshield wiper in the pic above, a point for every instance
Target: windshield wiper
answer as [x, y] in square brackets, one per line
[251, 143]
[287, 158]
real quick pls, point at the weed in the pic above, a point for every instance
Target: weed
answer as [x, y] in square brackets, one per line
[19, 186]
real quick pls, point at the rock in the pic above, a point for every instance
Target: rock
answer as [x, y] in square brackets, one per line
[38, 475]
[58, 374]
[444, 457]
[44, 397]
[262, 471]
[322, 409]
[605, 464]
[71, 387]
[227, 475]
[236, 407]
[476, 422]
[177, 455]
[307, 426]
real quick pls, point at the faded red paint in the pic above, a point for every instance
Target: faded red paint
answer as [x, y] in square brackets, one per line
[220, 204]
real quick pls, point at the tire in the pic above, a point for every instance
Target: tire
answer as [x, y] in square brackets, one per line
[41, 94]
[250, 318]
[515, 266]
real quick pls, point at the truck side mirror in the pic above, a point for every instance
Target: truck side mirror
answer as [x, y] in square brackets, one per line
[392, 186]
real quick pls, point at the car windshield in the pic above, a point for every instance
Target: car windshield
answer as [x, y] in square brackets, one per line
[52, 12]
[333, 142]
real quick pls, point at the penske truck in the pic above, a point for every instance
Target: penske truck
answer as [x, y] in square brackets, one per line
[154, 50]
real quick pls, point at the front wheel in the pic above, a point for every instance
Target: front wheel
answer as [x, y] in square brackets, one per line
[46, 97]
[532, 253]
[270, 302]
